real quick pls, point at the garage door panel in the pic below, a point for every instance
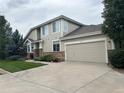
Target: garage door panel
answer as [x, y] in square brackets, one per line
[90, 52]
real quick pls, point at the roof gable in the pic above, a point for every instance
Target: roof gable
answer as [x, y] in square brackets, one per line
[57, 18]
[52, 20]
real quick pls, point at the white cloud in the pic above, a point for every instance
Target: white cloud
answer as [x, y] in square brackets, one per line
[24, 14]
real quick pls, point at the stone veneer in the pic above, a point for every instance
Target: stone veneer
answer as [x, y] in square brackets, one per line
[56, 54]
[39, 52]
[36, 52]
[30, 56]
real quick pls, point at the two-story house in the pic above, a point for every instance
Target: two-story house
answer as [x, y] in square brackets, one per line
[68, 39]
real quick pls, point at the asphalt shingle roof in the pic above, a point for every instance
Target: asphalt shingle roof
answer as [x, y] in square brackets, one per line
[84, 29]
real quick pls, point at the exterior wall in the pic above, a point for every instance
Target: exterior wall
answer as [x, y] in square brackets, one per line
[109, 46]
[47, 44]
[33, 35]
[71, 27]
[40, 52]
[48, 40]
[56, 54]
[30, 55]
[36, 52]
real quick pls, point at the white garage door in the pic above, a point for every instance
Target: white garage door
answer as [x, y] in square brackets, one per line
[86, 52]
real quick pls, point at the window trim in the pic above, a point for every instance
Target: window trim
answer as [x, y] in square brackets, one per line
[29, 48]
[65, 23]
[45, 32]
[59, 45]
[59, 22]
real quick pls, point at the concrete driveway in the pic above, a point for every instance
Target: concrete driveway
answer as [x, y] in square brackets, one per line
[64, 77]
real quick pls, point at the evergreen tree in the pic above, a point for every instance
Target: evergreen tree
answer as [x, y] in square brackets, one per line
[114, 21]
[11, 43]
[4, 30]
[17, 41]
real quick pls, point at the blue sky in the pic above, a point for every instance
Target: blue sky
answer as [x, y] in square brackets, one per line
[24, 14]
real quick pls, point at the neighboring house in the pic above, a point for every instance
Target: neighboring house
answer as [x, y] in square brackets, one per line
[68, 39]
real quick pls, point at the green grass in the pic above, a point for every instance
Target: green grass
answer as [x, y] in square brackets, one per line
[15, 66]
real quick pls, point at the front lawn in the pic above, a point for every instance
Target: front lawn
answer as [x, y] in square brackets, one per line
[15, 66]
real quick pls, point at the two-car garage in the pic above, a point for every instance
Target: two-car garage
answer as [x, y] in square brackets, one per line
[87, 44]
[86, 51]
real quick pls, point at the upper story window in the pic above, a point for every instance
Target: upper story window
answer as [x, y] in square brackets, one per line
[65, 26]
[45, 30]
[38, 34]
[56, 26]
[56, 46]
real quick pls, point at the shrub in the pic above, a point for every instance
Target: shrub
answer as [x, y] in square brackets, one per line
[21, 59]
[57, 59]
[37, 58]
[47, 58]
[116, 58]
[14, 57]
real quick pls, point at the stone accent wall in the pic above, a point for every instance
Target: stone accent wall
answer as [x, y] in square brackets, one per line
[30, 56]
[40, 52]
[36, 52]
[56, 54]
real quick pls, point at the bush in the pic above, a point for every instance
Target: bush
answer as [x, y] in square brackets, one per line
[116, 58]
[14, 57]
[21, 59]
[56, 60]
[47, 58]
[37, 58]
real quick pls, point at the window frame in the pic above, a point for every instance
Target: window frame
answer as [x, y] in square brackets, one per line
[53, 45]
[45, 30]
[65, 24]
[56, 26]
[28, 48]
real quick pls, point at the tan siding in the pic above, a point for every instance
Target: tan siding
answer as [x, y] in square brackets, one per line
[47, 40]
[72, 27]
[81, 39]
[33, 35]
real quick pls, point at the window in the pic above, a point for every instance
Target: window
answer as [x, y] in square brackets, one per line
[32, 47]
[28, 48]
[56, 46]
[45, 30]
[65, 26]
[56, 26]
[38, 34]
